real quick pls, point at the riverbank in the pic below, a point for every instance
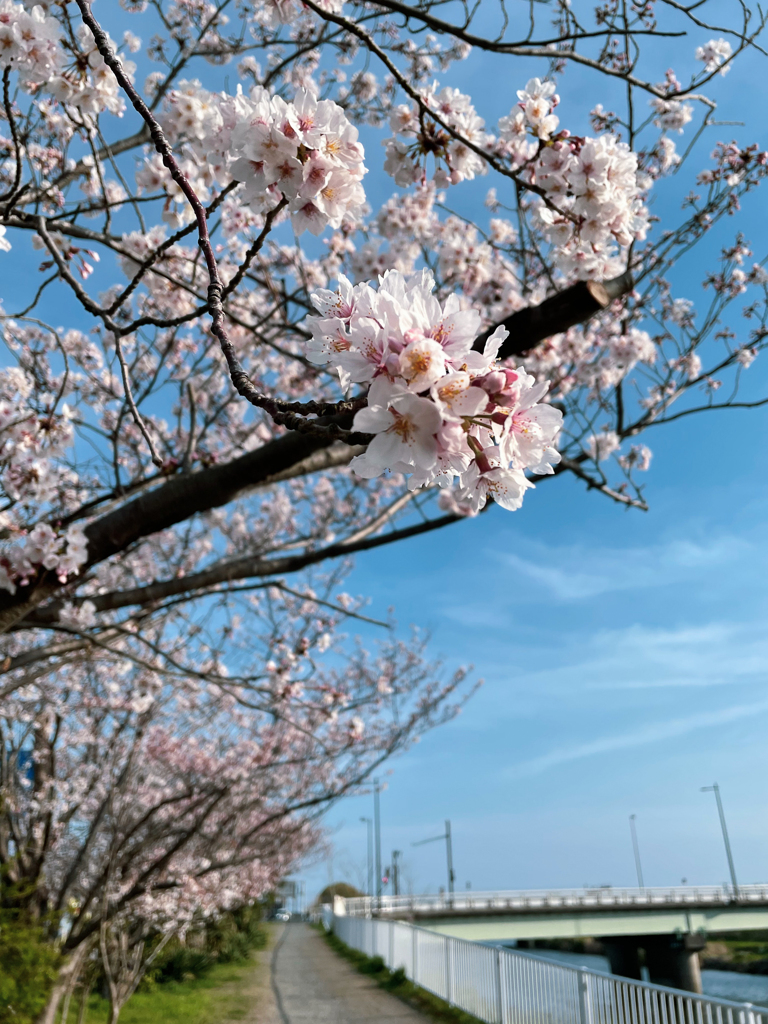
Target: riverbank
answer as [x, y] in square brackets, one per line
[740, 952]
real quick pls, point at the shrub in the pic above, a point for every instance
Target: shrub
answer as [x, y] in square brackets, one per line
[396, 978]
[374, 965]
[176, 964]
[227, 939]
[28, 968]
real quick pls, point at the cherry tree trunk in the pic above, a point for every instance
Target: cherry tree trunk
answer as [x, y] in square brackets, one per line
[67, 975]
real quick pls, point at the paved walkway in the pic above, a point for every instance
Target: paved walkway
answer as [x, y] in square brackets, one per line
[250, 999]
[314, 984]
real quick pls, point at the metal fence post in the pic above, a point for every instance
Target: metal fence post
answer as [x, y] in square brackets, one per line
[585, 1003]
[448, 986]
[747, 1015]
[414, 956]
[391, 964]
[500, 987]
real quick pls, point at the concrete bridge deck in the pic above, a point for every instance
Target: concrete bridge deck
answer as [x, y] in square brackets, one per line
[665, 928]
[557, 901]
[576, 913]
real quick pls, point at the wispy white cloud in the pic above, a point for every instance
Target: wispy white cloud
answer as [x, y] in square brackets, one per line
[648, 734]
[574, 573]
[640, 657]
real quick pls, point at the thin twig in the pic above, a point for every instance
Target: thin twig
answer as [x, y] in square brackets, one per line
[132, 404]
[15, 139]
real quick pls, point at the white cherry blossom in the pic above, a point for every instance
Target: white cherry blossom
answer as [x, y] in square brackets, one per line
[715, 55]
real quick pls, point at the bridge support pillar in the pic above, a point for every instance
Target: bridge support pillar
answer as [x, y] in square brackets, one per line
[674, 961]
[671, 960]
[624, 956]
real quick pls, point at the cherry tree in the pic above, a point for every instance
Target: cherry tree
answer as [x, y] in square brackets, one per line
[228, 370]
[147, 783]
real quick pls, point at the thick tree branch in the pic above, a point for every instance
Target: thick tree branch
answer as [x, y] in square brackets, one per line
[530, 326]
[237, 569]
[165, 506]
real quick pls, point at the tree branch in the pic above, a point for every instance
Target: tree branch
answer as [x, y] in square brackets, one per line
[574, 305]
[237, 569]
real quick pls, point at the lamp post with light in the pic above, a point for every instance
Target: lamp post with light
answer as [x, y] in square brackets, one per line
[369, 823]
[636, 849]
[449, 854]
[716, 790]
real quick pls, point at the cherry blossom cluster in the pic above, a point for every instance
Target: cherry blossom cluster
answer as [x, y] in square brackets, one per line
[596, 357]
[274, 13]
[306, 152]
[438, 409]
[63, 551]
[593, 199]
[531, 120]
[595, 207]
[715, 55]
[33, 475]
[30, 44]
[417, 137]
[671, 115]
[91, 88]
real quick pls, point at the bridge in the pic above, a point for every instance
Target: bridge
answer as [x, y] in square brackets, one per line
[670, 925]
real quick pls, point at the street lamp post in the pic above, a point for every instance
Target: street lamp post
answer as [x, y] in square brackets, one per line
[369, 823]
[377, 826]
[396, 855]
[716, 790]
[636, 848]
[448, 851]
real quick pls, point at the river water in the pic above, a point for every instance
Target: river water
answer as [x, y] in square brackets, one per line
[741, 988]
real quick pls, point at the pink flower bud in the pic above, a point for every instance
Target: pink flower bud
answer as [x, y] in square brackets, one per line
[392, 365]
[409, 336]
[492, 382]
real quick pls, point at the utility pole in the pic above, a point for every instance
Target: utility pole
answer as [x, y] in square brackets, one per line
[396, 855]
[377, 827]
[716, 790]
[448, 851]
[636, 848]
[369, 823]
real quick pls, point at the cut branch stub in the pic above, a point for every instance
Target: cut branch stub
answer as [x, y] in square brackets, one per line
[530, 326]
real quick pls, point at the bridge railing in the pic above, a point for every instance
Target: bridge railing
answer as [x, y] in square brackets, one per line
[502, 986]
[551, 899]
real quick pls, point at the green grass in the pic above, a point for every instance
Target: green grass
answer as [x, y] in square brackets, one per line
[396, 983]
[208, 1000]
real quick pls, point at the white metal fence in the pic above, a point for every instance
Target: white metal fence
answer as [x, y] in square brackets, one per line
[502, 986]
[688, 896]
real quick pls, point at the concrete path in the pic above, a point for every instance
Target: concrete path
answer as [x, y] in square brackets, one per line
[251, 999]
[314, 985]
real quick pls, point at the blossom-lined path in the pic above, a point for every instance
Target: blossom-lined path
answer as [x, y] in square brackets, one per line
[314, 984]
